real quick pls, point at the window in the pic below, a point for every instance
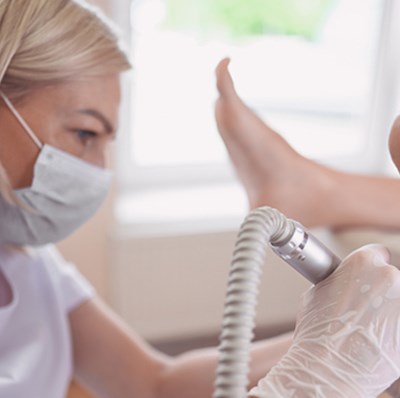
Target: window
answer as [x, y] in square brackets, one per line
[311, 69]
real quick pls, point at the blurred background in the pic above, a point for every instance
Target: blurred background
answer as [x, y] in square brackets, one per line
[323, 73]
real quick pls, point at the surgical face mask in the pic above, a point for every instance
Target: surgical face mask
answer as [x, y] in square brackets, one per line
[66, 191]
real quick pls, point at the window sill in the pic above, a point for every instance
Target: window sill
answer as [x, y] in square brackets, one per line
[183, 210]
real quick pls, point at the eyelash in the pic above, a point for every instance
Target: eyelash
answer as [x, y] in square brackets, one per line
[85, 135]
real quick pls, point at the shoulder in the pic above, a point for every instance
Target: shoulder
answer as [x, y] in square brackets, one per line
[47, 270]
[44, 271]
[64, 275]
[50, 257]
[28, 256]
[44, 261]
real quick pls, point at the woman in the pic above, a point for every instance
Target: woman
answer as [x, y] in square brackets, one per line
[60, 63]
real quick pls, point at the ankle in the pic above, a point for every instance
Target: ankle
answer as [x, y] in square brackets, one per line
[329, 203]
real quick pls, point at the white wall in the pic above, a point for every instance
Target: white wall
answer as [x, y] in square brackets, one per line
[172, 286]
[175, 285]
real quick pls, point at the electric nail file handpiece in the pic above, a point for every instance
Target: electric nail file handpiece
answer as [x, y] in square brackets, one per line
[307, 255]
[263, 227]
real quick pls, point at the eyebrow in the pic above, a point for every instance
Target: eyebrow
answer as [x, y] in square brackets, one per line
[99, 116]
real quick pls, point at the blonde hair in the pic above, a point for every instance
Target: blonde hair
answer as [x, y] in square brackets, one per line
[45, 42]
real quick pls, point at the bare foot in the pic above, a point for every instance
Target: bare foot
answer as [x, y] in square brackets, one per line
[271, 172]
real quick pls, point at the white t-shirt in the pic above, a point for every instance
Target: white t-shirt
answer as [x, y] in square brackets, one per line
[35, 343]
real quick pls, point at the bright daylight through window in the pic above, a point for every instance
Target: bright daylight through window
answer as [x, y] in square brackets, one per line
[306, 66]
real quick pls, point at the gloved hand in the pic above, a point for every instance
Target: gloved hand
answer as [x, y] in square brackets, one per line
[347, 337]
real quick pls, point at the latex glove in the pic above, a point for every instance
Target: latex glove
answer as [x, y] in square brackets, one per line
[347, 337]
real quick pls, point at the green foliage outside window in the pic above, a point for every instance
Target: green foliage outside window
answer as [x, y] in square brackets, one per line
[249, 17]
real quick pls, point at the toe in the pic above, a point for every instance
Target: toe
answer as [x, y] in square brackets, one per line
[225, 84]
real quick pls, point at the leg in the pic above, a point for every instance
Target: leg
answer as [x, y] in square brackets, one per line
[273, 174]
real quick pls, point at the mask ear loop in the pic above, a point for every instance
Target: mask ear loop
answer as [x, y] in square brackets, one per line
[14, 199]
[28, 130]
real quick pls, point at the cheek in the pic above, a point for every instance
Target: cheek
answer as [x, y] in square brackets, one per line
[97, 152]
[90, 151]
[68, 142]
[394, 142]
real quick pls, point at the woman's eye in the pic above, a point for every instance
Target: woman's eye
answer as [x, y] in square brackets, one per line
[85, 135]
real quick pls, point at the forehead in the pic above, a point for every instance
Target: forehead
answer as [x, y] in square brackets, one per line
[95, 90]
[101, 94]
